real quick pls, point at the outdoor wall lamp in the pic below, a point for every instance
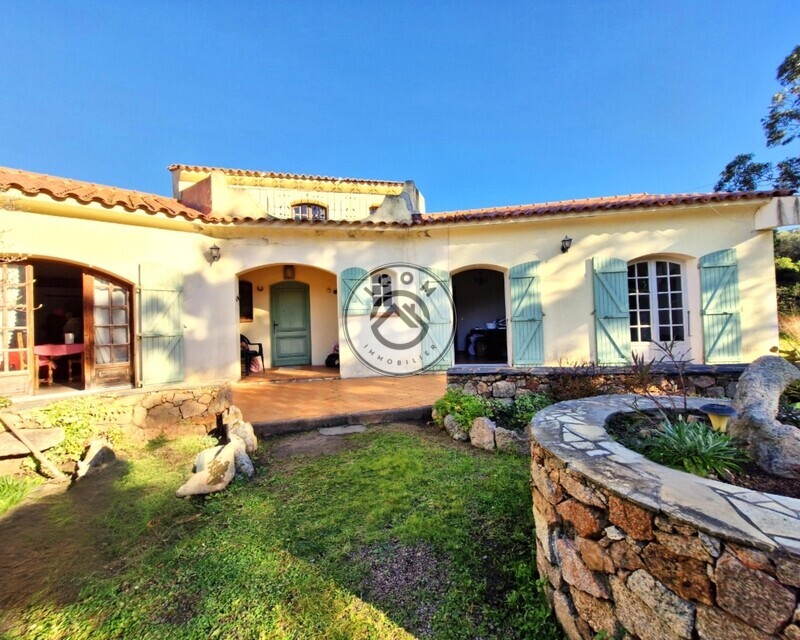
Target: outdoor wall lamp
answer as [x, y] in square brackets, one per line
[566, 243]
[215, 252]
[719, 414]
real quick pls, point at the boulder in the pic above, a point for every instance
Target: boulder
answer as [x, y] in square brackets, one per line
[98, 454]
[481, 434]
[242, 462]
[454, 430]
[231, 414]
[512, 442]
[775, 447]
[215, 471]
[243, 430]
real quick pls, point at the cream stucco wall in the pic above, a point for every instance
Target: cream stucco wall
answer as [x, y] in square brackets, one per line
[257, 253]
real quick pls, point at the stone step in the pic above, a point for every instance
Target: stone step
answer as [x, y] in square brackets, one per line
[42, 439]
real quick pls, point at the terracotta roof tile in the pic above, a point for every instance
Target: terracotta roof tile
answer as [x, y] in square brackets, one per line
[587, 205]
[85, 192]
[274, 174]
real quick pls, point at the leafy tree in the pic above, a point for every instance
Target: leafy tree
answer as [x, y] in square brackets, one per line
[742, 174]
[788, 174]
[781, 126]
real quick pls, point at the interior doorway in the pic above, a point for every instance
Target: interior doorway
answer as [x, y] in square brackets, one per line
[480, 300]
[71, 328]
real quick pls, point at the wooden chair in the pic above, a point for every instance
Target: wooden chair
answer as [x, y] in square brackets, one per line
[75, 362]
[49, 366]
[249, 353]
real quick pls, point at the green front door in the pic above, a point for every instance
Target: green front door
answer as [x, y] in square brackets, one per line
[291, 324]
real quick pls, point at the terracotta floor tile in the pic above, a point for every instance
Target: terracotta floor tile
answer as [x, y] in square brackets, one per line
[262, 401]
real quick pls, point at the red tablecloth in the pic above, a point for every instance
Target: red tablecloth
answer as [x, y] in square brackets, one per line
[54, 350]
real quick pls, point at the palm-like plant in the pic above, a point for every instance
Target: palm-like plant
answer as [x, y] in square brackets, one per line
[695, 448]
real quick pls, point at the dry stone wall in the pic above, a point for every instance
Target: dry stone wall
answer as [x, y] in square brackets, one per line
[630, 547]
[506, 382]
[151, 409]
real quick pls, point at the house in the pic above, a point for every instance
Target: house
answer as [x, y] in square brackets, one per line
[163, 287]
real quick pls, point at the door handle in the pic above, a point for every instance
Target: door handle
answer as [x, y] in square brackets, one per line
[274, 327]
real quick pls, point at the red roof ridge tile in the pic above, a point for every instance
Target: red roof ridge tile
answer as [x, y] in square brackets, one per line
[252, 173]
[31, 183]
[631, 201]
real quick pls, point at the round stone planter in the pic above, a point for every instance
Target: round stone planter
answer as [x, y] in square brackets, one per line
[627, 545]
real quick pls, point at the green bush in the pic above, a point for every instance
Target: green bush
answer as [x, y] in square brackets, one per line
[517, 415]
[694, 447]
[462, 406]
[465, 408]
[528, 406]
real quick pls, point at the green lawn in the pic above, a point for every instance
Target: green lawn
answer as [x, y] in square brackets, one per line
[400, 533]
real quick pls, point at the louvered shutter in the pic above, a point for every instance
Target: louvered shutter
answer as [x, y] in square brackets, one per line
[611, 311]
[526, 315]
[437, 341]
[161, 325]
[355, 279]
[720, 311]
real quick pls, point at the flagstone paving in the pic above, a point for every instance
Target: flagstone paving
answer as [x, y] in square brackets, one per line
[572, 431]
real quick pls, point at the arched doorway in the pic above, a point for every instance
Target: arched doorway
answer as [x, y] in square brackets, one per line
[64, 326]
[291, 310]
[480, 301]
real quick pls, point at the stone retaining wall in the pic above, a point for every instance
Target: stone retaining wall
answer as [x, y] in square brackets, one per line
[148, 409]
[627, 545]
[505, 382]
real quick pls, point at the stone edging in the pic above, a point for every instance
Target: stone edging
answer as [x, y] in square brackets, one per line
[627, 544]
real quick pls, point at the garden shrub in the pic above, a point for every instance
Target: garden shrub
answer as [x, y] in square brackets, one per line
[465, 408]
[462, 406]
[517, 415]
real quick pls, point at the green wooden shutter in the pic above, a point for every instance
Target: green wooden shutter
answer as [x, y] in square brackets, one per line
[160, 324]
[611, 311]
[437, 340]
[526, 315]
[720, 312]
[355, 278]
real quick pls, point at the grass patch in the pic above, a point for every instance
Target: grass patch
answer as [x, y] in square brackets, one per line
[398, 536]
[13, 490]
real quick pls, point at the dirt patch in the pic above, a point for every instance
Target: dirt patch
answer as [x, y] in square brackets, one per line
[409, 581]
[47, 544]
[313, 444]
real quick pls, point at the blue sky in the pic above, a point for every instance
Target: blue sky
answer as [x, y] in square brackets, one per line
[481, 105]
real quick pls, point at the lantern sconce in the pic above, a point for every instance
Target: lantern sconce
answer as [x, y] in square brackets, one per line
[720, 415]
[215, 253]
[566, 243]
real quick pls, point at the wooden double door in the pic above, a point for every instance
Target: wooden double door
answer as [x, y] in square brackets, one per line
[40, 301]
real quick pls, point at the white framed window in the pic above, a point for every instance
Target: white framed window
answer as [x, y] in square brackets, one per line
[657, 302]
[309, 211]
